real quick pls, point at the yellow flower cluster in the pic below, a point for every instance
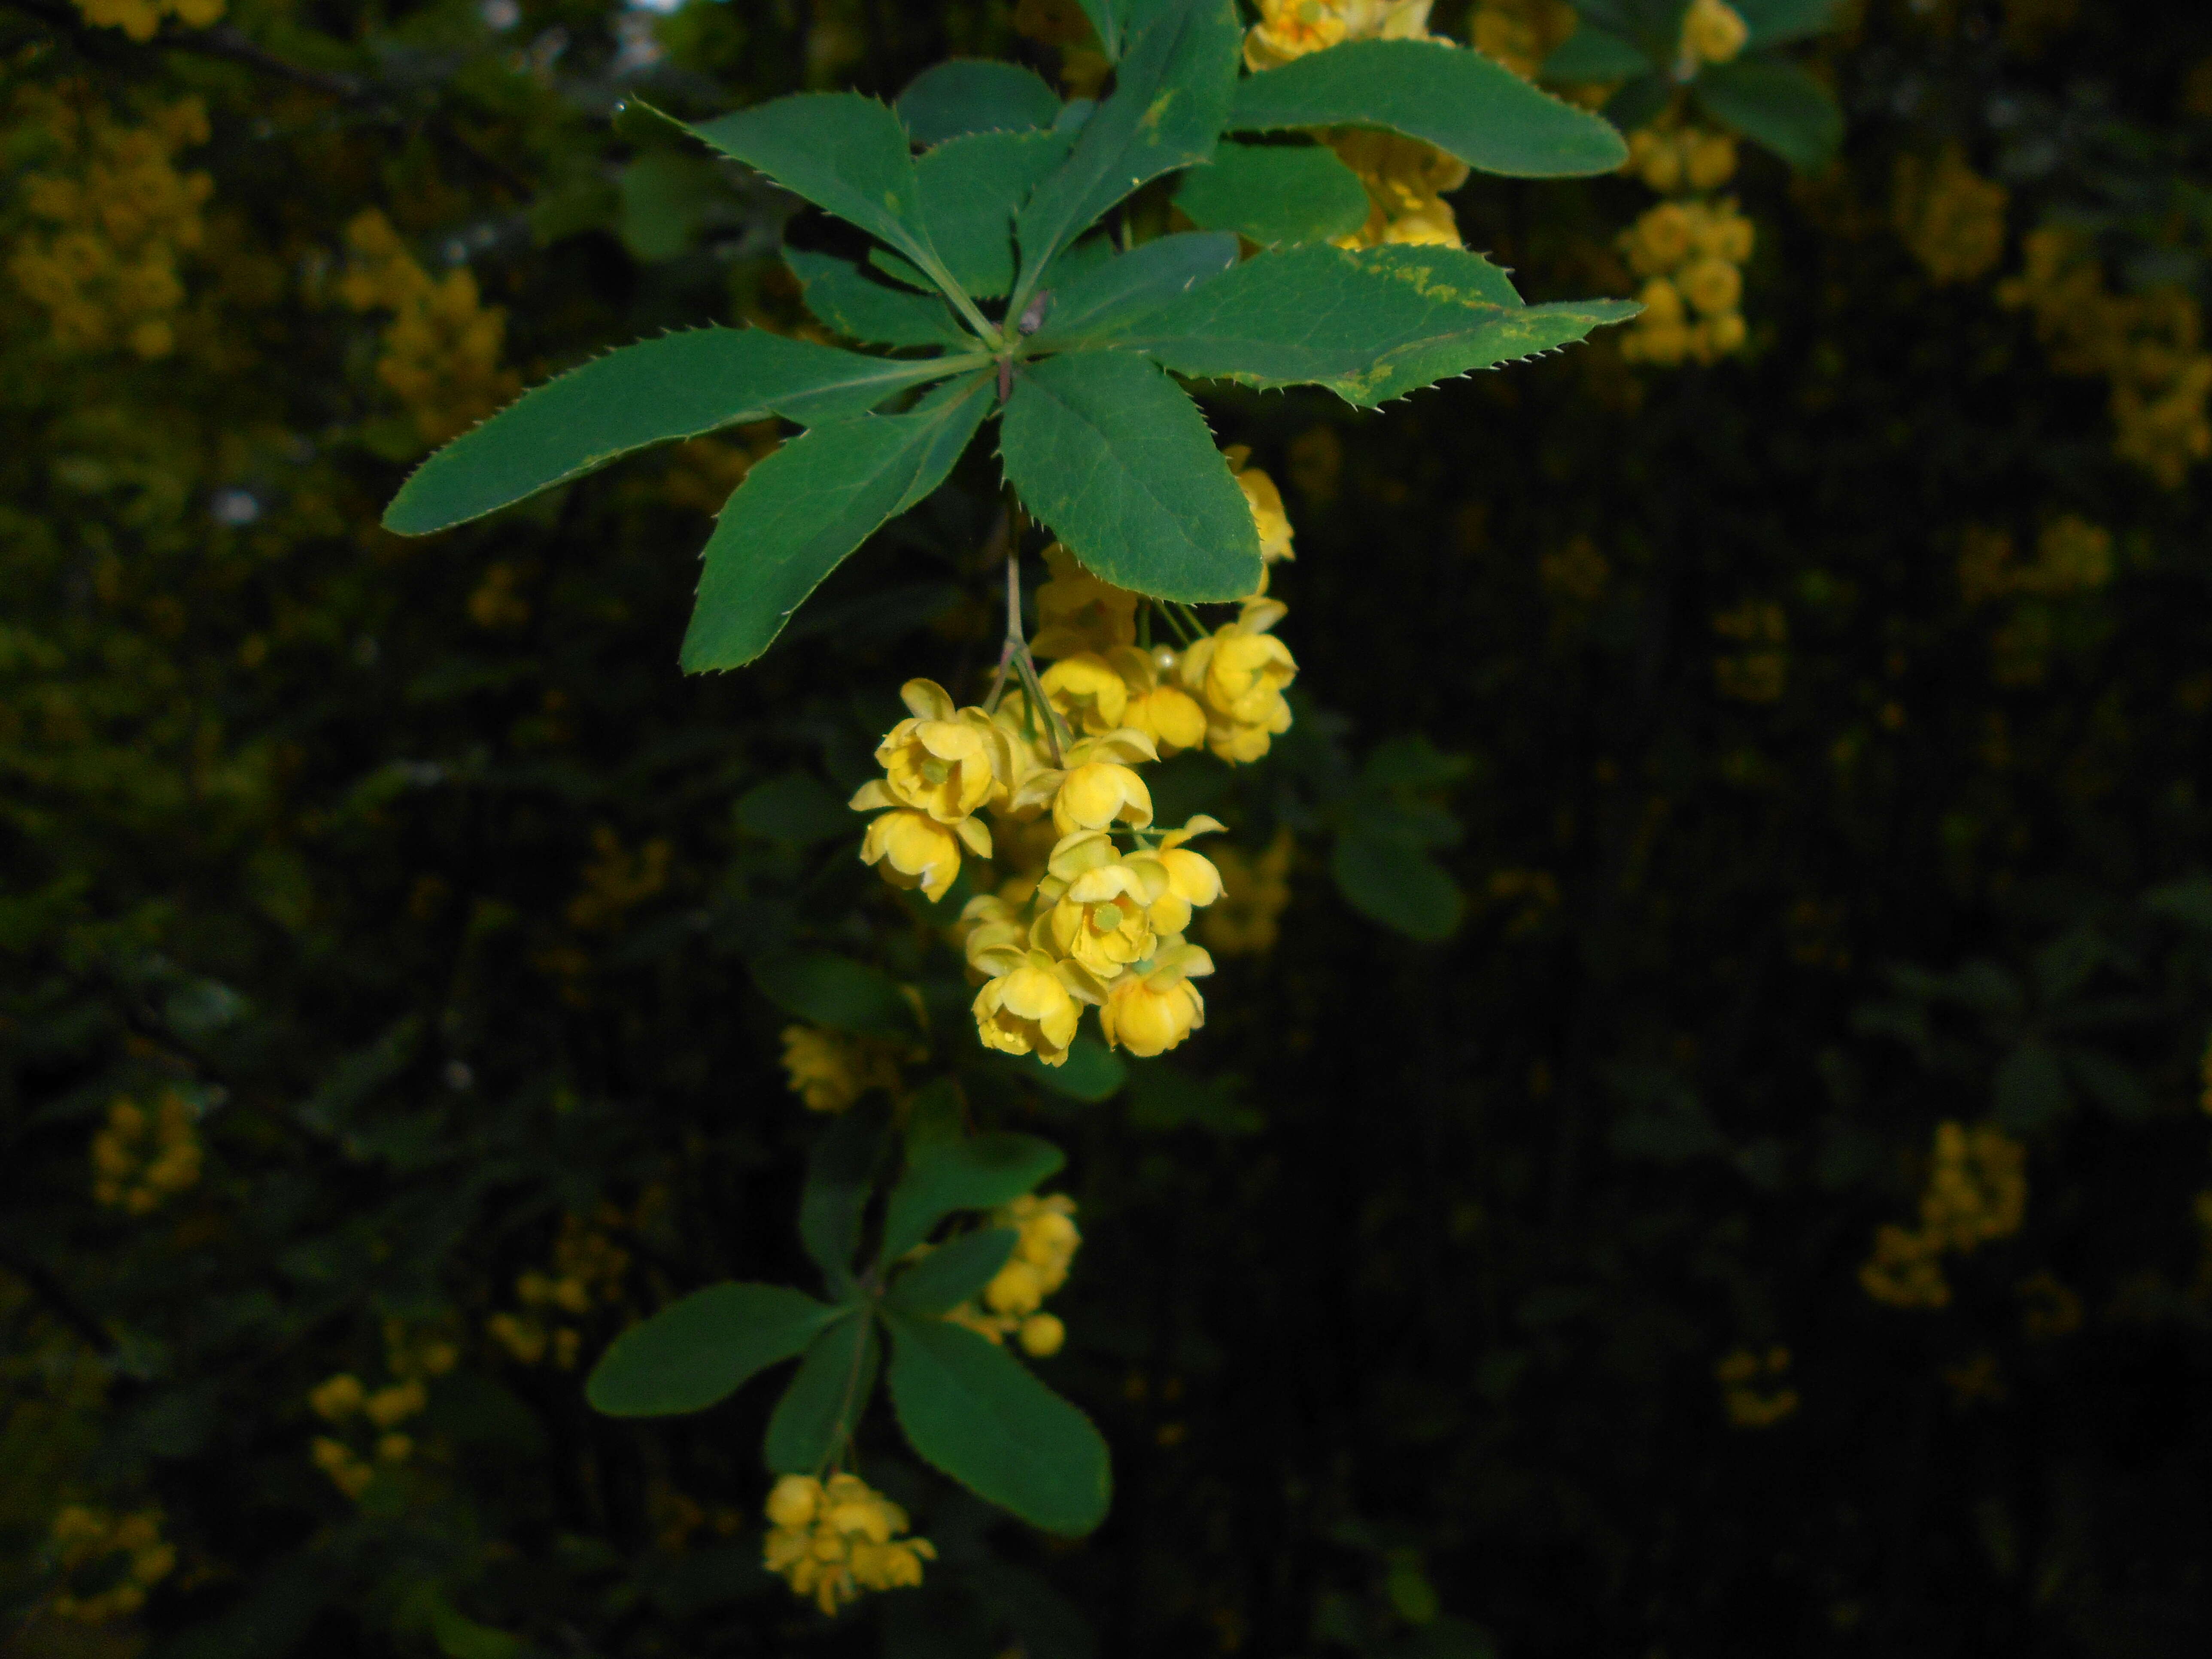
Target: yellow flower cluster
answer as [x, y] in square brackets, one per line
[1406, 179]
[141, 1159]
[1759, 672]
[1755, 1387]
[1713, 31]
[372, 1417]
[141, 19]
[831, 1539]
[1292, 28]
[1691, 254]
[120, 214]
[1671, 158]
[2072, 556]
[1951, 218]
[1521, 33]
[586, 1272]
[2148, 347]
[1977, 1191]
[1254, 893]
[125, 1553]
[1082, 923]
[1012, 1303]
[829, 1070]
[440, 355]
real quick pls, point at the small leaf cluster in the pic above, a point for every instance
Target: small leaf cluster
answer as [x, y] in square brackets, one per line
[965, 1405]
[1646, 51]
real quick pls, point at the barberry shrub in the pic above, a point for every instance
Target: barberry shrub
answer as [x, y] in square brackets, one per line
[1017, 267]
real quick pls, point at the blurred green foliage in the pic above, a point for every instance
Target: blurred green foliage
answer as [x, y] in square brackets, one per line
[1813, 741]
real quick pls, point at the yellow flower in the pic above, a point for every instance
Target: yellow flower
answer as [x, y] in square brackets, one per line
[1405, 181]
[1088, 692]
[1713, 31]
[1708, 159]
[348, 1473]
[395, 1404]
[1254, 893]
[1292, 28]
[1239, 673]
[942, 761]
[794, 1501]
[1154, 1006]
[1032, 1008]
[1049, 1237]
[1265, 501]
[1904, 1270]
[1950, 216]
[1177, 880]
[1076, 611]
[1098, 787]
[917, 851]
[831, 1540]
[1662, 305]
[1042, 1335]
[1660, 239]
[1711, 285]
[995, 937]
[1156, 706]
[1102, 918]
[338, 1398]
[1977, 1187]
[1718, 232]
[829, 1071]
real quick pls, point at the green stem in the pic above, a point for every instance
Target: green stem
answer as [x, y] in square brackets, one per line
[933, 268]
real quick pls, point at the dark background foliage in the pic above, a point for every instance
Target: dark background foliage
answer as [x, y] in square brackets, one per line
[422, 876]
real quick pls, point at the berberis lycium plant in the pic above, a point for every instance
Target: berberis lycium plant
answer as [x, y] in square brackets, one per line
[1008, 280]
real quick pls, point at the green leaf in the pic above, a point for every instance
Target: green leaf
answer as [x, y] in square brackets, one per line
[952, 1272]
[677, 386]
[800, 512]
[971, 188]
[1170, 95]
[1777, 104]
[1392, 881]
[974, 94]
[836, 991]
[1772, 22]
[700, 1349]
[1592, 54]
[840, 1174]
[1370, 324]
[1275, 194]
[1105, 17]
[862, 308]
[1452, 97]
[796, 807]
[973, 1411]
[828, 1393]
[457, 1636]
[2029, 1091]
[2188, 901]
[664, 198]
[1090, 305]
[1638, 102]
[1092, 1072]
[2112, 1085]
[843, 152]
[969, 1172]
[1116, 459]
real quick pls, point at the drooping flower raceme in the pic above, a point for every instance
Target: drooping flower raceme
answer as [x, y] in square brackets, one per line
[1089, 901]
[831, 1539]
